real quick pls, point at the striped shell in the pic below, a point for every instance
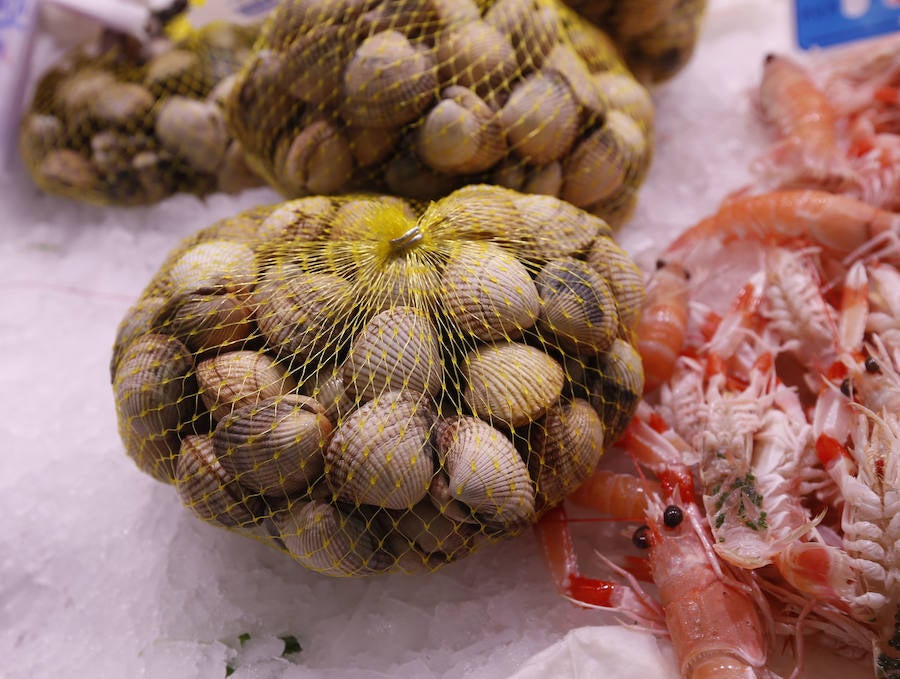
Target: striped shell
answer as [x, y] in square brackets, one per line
[533, 27]
[624, 278]
[541, 118]
[213, 264]
[573, 230]
[510, 383]
[211, 322]
[315, 160]
[234, 379]
[193, 130]
[476, 55]
[618, 389]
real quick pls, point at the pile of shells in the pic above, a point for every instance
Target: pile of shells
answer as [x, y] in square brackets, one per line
[119, 122]
[656, 37]
[375, 386]
[419, 97]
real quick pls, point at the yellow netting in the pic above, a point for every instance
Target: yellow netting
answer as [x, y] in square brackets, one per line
[419, 97]
[656, 37]
[374, 385]
[124, 123]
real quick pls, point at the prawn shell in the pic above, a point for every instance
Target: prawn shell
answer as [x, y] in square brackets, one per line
[397, 349]
[564, 449]
[625, 280]
[276, 445]
[618, 388]
[209, 491]
[234, 379]
[541, 118]
[322, 537]
[388, 82]
[380, 454]
[485, 471]
[578, 308]
[510, 383]
[461, 134]
[154, 388]
[488, 293]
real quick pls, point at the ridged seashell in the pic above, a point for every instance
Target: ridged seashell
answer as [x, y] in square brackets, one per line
[616, 392]
[510, 383]
[222, 90]
[510, 174]
[555, 228]
[397, 349]
[624, 277]
[111, 152]
[194, 130]
[208, 490]
[354, 219]
[564, 449]
[545, 179]
[121, 103]
[152, 175]
[315, 160]
[236, 175]
[139, 320]
[211, 321]
[624, 93]
[540, 118]
[39, 134]
[234, 379]
[326, 385]
[534, 28]
[475, 55]
[302, 313]
[617, 208]
[214, 264]
[428, 530]
[388, 82]
[292, 18]
[603, 161]
[485, 471]
[166, 71]
[371, 145]
[663, 51]
[153, 392]
[380, 455]
[461, 134]
[440, 495]
[419, 18]
[408, 176]
[321, 537]
[578, 309]
[637, 17]
[320, 54]
[256, 117]
[594, 46]
[67, 171]
[76, 92]
[301, 219]
[565, 62]
[488, 293]
[275, 445]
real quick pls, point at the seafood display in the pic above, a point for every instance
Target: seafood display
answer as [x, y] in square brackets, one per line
[656, 37]
[420, 97]
[124, 123]
[376, 385]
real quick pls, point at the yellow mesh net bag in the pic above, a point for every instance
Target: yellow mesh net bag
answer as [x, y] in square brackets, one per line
[419, 97]
[656, 37]
[121, 122]
[376, 385]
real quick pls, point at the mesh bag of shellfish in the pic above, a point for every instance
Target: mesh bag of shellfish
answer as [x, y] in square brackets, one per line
[656, 37]
[419, 97]
[118, 121]
[373, 384]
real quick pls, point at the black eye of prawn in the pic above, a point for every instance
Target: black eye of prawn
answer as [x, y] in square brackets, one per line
[641, 537]
[872, 365]
[845, 387]
[672, 516]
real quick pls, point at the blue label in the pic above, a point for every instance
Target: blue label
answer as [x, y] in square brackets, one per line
[821, 23]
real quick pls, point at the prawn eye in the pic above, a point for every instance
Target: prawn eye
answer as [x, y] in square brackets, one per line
[660, 263]
[641, 537]
[672, 516]
[845, 387]
[872, 365]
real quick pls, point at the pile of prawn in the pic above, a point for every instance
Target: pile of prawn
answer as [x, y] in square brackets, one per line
[767, 443]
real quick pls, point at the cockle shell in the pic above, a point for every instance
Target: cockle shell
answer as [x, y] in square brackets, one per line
[153, 390]
[322, 537]
[406, 175]
[213, 322]
[475, 55]
[593, 46]
[302, 314]
[544, 179]
[624, 278]
[194, 130]
[76, 92]
[485, 470]
[634, 18]
[40, 133]
[371, 145]
[214, 264]
[65, 170]
[152, 175]
[174, 67]
[315, 160]
[540, 118]
[208, 490]
[276, 445]
[397, 349]
[234, 379]
[302, 219]
[534, 28]
[578, 309]
[618, 389]
[573, 230]
[461, 134]
[291, 18]
[510, 383]
[380, 455]
[319, 55]
[121, 104]
[564, 62]
[326, 385]
[111, 152]
[388, 82]
[355, 218]
[488, 293]
[428, 530]
[139, 320]
[624, 93]
[564, 449]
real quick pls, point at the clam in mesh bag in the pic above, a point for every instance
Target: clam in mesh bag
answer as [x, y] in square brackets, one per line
[373, 385]
[656, 37]
[419, 97]
[120, 122]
